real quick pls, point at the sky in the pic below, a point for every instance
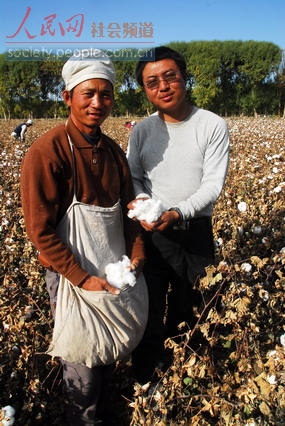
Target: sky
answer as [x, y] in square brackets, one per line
[153, 22]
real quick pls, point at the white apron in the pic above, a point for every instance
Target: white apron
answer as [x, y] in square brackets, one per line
[96, 327]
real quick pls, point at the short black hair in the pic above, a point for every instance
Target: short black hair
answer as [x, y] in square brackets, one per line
[159, 53]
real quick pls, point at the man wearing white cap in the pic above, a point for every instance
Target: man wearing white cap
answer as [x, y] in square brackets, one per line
[77, 162]
[20, 131]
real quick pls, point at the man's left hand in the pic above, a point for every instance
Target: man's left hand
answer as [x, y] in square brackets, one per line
[137, 265]
[167, 218]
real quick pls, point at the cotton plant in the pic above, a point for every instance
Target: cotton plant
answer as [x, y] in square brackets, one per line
[264, 295]
[240, 230]
[271, 379]
[219, 242]
[148, 210]
[246, 267]
[119, 274]
[7, 416]
[242, 207]
[279, 187]
[262, 197]
[257, 230]
[273, 354]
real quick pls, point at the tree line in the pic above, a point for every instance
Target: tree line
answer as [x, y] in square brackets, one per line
[226, 77]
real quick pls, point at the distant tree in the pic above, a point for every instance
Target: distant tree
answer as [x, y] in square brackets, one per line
[6, 90]
[280, 86]
[227, 77]
[130, 98]
[203, 63]
[259, 63]
[226, 101]
[231, 77]
[51, 86]
[26, 87]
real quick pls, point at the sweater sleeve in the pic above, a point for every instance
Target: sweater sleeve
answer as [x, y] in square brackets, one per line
[215, 166]
[135, 165]
[41, 202]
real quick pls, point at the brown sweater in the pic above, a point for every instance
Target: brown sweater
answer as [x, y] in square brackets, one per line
[103, 177]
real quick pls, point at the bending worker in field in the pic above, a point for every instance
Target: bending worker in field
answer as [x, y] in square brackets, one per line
[20, 131]
[75, 186]
[178, 155]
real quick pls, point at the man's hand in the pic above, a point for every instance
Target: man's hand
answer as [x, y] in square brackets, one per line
[99, 284]
[131, 206]
[137, 265]
[168, 218]
[165, 220]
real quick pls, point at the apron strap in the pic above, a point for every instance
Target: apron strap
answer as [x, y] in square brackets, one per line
[73, 166]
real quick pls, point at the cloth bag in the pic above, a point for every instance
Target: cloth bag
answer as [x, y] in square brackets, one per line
[96, 327]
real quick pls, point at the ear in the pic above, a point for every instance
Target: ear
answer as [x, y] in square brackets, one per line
[66, 97]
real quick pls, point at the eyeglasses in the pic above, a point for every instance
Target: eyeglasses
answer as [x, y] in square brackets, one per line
[170, 77]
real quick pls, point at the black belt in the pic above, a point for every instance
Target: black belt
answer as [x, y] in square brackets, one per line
[186, 224]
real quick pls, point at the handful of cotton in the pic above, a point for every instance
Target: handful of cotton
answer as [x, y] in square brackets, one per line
[119, 274]
[148, 210]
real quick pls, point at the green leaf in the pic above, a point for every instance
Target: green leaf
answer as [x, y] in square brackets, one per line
[188, 381]
[227, 344]
[247, 410]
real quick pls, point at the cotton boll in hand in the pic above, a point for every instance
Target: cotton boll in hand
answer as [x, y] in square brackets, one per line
[148, 210]
[119, 274]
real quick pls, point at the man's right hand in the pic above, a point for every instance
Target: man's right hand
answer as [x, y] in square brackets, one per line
[131, 206]
[99, 284]
[145, 225]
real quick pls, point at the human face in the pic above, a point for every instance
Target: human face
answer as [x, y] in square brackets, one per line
[168, 97]
[90, 104]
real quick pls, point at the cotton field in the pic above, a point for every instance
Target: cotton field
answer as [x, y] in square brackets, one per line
[229, 369]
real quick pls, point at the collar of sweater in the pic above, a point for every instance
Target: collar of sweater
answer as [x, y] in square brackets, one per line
[80, 141]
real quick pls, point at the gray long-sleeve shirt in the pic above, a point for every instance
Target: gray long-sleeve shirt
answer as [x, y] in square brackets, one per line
[182, 164]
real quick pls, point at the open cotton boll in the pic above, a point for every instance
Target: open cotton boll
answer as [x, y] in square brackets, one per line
[8, 422]
[246, 267]
[148, 210]
[119, 274]
[271, 379]
[242, 206]
[8, 413]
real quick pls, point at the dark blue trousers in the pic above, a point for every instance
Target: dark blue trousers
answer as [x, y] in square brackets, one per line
[175, 259]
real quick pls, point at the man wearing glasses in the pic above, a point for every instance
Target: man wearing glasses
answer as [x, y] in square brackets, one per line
[179, 155]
